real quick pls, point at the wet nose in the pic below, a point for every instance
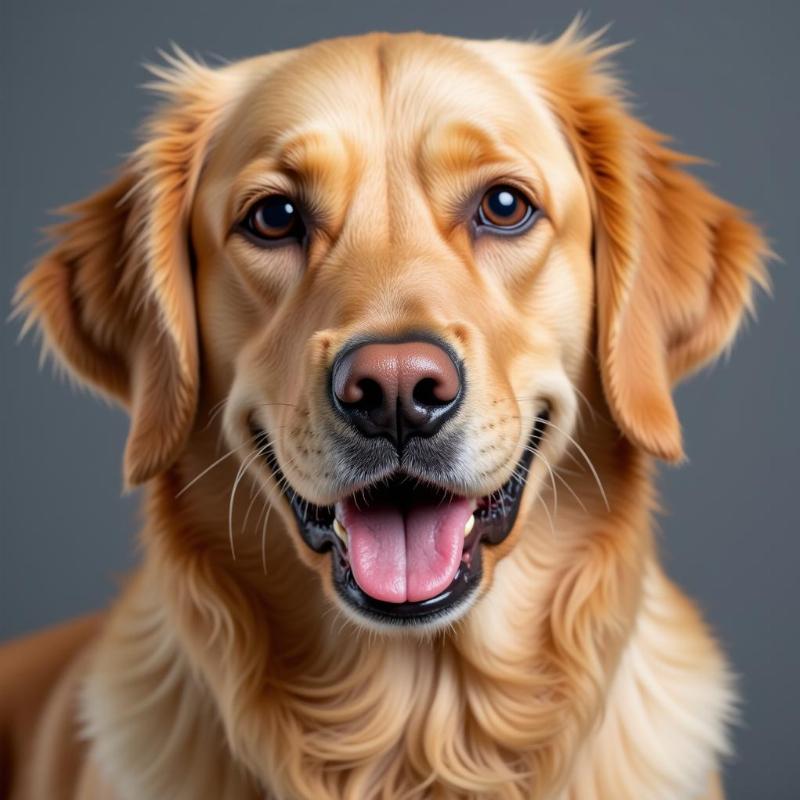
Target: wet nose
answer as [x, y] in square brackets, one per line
[397, 390]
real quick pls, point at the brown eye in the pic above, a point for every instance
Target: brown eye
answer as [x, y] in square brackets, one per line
[274, 219]
[504, 208]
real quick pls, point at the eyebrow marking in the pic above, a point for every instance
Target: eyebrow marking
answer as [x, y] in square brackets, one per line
[315, 155]
[314, 166]
[459, 145]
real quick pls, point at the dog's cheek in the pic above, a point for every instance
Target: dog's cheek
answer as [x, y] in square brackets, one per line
[490, 557]
[494, 554]
[228, 321]
[318, 564]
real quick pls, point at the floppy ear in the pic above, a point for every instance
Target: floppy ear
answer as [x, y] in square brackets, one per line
[114, 298]
[675, 265]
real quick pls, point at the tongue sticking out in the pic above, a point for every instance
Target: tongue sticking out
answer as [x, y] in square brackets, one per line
[405, 554]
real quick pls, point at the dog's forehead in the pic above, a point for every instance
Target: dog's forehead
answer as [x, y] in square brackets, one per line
[391, 91]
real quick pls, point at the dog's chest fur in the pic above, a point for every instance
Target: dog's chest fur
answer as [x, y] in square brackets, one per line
[158, 733]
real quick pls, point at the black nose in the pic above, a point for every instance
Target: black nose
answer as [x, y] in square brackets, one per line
[397, 390]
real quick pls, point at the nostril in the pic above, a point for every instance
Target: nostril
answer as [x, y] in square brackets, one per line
[426, 393]
[371, 398]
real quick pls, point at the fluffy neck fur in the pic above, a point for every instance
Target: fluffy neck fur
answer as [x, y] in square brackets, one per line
[253, 680]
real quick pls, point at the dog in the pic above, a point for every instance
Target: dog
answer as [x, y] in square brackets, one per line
[396, 319]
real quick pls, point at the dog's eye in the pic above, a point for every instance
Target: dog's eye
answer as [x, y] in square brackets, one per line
[504, 208]
[274, 219]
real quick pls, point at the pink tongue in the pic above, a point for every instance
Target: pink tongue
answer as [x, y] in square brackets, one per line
[399, 556]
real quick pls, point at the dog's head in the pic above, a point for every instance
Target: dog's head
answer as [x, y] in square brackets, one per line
[397, 260]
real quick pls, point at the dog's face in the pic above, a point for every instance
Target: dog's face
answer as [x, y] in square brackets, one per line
[403, 240]
[396, 260]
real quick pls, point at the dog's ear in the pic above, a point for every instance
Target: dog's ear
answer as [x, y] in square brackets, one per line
[114, 297]
[675, 264]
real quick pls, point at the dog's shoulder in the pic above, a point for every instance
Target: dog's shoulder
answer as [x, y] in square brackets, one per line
[671, 701]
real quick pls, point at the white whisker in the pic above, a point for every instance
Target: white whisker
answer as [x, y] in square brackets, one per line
[239, 475]
[570, 489]
[264, 538]
[540, 499]
[586, 457]
[209, 468]
[214, 412]
[254, 495]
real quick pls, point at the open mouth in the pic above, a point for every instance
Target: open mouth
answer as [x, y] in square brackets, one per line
[405, 551]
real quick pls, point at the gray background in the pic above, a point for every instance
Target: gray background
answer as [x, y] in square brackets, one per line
[720, 77]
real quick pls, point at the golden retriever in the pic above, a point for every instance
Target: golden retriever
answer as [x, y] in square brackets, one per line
[396, 319]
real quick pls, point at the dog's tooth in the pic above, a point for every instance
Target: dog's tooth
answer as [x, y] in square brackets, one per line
[470, 524]
[340, 530]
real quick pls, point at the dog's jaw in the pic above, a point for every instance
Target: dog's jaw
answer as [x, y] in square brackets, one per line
[484, 522]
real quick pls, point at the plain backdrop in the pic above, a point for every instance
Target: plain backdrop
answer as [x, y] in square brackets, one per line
[721, 77]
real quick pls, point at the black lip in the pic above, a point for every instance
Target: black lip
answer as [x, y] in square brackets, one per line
[494, 520]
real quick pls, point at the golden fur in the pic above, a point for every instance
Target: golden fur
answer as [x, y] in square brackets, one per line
[228, 669]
